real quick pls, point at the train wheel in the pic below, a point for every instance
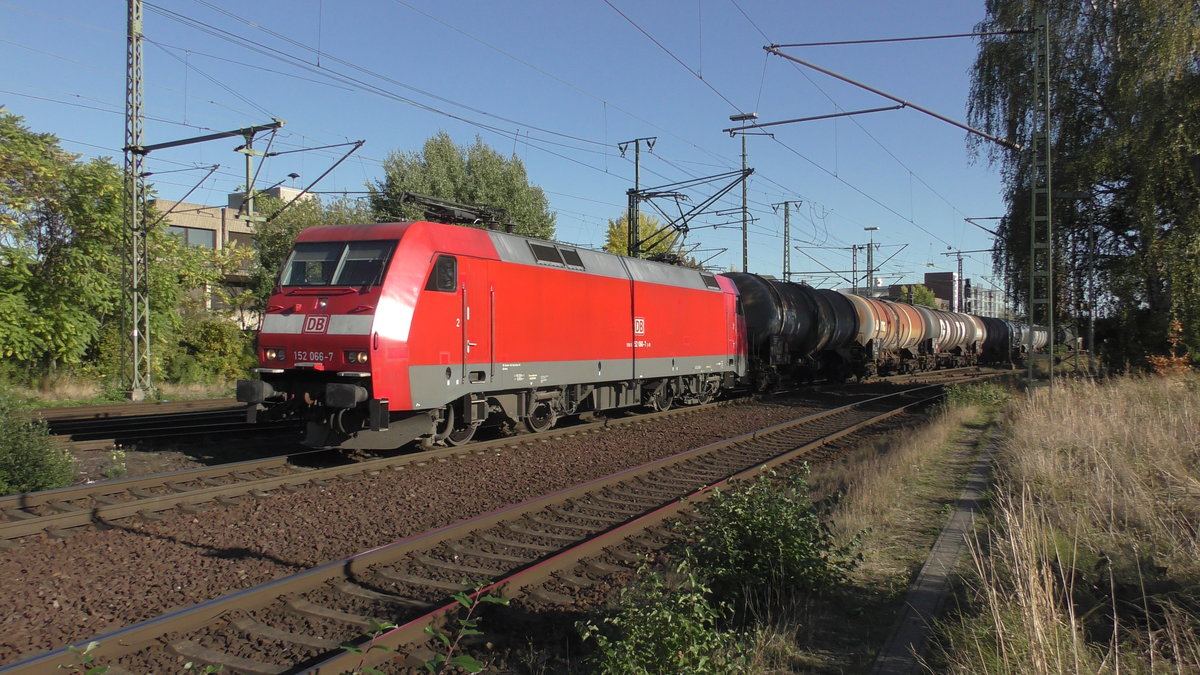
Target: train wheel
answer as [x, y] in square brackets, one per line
[542, 418]
[462, 435]
[708, 392]
[663, 398]
[450, 433]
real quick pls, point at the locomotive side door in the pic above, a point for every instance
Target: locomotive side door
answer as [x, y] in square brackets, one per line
[737, 336]
[477, 300]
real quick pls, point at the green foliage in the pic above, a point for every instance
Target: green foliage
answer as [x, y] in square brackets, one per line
[375, 629]
[208, 349]
[465, 625]
[918, 294]
[62, 249]
[60, 228]
[617, 238]
[664, 624]
[83, 660]
[29, 460]
[986, 394]
[472, 175]
[1126, 121]
[765, 539]
[661, 246]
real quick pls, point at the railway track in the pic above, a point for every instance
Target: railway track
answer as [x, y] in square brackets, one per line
[62, 511]
[541, 552]
[103, 426]
[65, 511]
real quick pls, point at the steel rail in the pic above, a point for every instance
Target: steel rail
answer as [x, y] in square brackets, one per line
[78, 506]
[402, 639]
[134, 638]
[115, 410]
[83, 505]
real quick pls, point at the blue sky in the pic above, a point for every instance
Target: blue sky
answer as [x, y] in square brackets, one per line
[560, 84]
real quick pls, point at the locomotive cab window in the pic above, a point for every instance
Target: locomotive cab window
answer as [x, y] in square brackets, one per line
[337, 263]
[444, 276]
[363, 263]
[312, 263]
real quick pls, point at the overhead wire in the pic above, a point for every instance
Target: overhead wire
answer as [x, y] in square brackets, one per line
[734, 107]
[503, 132]
[852, 119]
[385, 78]
[339, 82]
[325, 71]
[671, 54]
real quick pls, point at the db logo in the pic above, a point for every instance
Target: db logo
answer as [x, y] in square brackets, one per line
[639, 325]
[316, 324]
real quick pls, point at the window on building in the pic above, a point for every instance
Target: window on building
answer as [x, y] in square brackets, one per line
[241, 239]
[194, 236]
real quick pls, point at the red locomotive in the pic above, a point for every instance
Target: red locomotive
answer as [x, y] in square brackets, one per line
[378, 335]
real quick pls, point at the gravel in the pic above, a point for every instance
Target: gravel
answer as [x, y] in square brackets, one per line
[69, 590]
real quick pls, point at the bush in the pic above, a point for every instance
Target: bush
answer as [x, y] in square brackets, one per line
[29, 460]
[208, 349]
[664, 624]
[986, 394]
[765, 540]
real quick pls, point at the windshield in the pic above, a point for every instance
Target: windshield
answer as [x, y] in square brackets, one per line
[337, 263]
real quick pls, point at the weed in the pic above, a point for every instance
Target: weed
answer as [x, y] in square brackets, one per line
[766, 535]
[376, 628]
[983, 394]
[29, 460]
[466, 626]
[665, 623]
[83, 660]
[118, 468]
[1091, 556]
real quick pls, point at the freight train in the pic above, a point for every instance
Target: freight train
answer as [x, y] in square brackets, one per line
[384, 334]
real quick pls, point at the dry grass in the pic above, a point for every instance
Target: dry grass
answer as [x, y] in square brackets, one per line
[67, 390]
[875, 480]
[1090, 563]
[193, 391]
[894, 494]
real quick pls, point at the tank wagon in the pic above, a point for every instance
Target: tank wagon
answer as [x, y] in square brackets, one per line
[380, 335]
[802, 332]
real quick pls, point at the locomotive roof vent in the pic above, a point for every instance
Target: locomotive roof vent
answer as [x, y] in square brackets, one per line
[546, 254]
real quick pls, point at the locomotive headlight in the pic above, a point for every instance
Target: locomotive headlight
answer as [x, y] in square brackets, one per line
[274, 354]
[356, 357]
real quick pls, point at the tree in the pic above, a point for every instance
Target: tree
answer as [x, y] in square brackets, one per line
[1126, 119]
[62, 252]
[617, 237]
[918, 294]
[474, 175]
[661, 246]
